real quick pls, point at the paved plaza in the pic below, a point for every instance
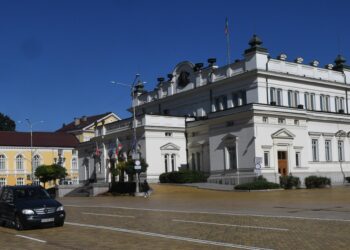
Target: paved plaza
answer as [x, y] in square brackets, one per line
[179, 217]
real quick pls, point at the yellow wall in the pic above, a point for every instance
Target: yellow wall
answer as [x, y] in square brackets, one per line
[47, 156]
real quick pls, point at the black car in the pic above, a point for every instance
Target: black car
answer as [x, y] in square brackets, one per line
[26, 206]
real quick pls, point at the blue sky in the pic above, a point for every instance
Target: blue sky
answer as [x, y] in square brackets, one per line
[57, 58]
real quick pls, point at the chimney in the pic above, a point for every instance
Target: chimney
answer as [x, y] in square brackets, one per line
[76, 121]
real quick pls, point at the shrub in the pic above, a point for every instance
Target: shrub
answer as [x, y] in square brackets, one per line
[347, 179]
[183, 176]
[289, 182]
[257, 185]
[317, 181]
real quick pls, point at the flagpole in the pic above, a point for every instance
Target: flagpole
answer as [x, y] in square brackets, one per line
[227, 42]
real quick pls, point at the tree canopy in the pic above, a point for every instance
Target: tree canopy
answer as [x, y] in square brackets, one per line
[6, 123]
[47, 173]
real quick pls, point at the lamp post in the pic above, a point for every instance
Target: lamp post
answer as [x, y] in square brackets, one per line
[31, 124]
[341, 134]
[134, 153]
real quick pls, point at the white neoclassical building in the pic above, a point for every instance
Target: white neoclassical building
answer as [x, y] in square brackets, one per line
[278, 116]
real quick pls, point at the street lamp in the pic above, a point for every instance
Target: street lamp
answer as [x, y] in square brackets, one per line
[341, 134]
[31, 124]
[137, 82]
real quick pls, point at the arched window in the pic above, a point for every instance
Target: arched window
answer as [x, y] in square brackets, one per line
[36, 161]
[74, 164]
[2, 162]
[19, 162]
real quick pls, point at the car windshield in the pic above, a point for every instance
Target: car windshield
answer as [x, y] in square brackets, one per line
[31, 193]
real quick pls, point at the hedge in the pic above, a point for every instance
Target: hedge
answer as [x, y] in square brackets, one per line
[347, 179]
[317, 181]
[289, 182]
[259, 184]
[184, 176]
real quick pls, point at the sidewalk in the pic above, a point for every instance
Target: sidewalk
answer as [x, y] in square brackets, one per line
[211, 186]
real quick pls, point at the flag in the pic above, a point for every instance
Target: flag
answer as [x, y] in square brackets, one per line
[226, 27]
[118, 147]
[97, 152]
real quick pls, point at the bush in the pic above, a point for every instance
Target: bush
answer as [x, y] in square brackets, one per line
[347, 179]
[259, 184]
[317, 181]
[289, 182]
[183, 176]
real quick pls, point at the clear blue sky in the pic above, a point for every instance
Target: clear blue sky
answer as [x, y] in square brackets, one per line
[57, 58]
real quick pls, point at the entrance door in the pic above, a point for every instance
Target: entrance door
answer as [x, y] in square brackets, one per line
[282, 163]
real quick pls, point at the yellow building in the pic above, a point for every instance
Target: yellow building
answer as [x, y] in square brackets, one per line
[21, 153]
[84, 128]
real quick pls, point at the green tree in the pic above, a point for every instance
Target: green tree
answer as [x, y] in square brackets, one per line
[6, 123]
[47, 173]
[44, 173]
[128, 166]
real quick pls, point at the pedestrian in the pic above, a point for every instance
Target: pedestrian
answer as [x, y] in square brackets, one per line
[146, 189]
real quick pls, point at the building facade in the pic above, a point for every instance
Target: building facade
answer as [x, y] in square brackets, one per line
[19, 157]
[258, 115]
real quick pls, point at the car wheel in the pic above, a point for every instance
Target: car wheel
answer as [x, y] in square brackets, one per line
[18, 224]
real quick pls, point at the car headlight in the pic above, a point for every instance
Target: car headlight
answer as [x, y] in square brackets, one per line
[27, 211]
[60, 208]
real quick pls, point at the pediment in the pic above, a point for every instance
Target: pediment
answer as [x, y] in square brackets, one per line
[230, 137]
[283, 134]
[170, 146]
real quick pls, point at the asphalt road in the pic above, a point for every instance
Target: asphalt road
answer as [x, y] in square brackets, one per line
[176, 217]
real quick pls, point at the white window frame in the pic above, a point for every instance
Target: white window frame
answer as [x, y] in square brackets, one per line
[341, 149]
[20, 181]
[298, 159]
[266, 159]
[3, 161]
[3, 181]
[19, 162]
[314, 150]
[328, 150]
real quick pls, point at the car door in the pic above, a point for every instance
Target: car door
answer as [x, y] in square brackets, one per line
[3, 193]
[8, 206]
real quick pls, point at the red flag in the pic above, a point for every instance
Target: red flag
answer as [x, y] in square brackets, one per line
[118, 147]
[97, 153]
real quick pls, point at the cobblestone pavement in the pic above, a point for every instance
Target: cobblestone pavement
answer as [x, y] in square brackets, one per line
[177, 217]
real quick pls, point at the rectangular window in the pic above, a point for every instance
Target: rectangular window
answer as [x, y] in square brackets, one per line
[272, 95]
[217, 104]
[281, 121]
[290, 98]
[244, 97]
[235, 99]
[312, 101]
[2, 162]
[306, 100]
[198, 161]
[322, 103]
[224, 102]
[265, 119]
[340, 150]
[297, 159]
[279, 97]
[314, 150]
[327, 103]
[2, 182]
[20, 181]
[266, 159]
[328, 150]
[296, 122]
[296, 98]
[193, 161]
[232, 157]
